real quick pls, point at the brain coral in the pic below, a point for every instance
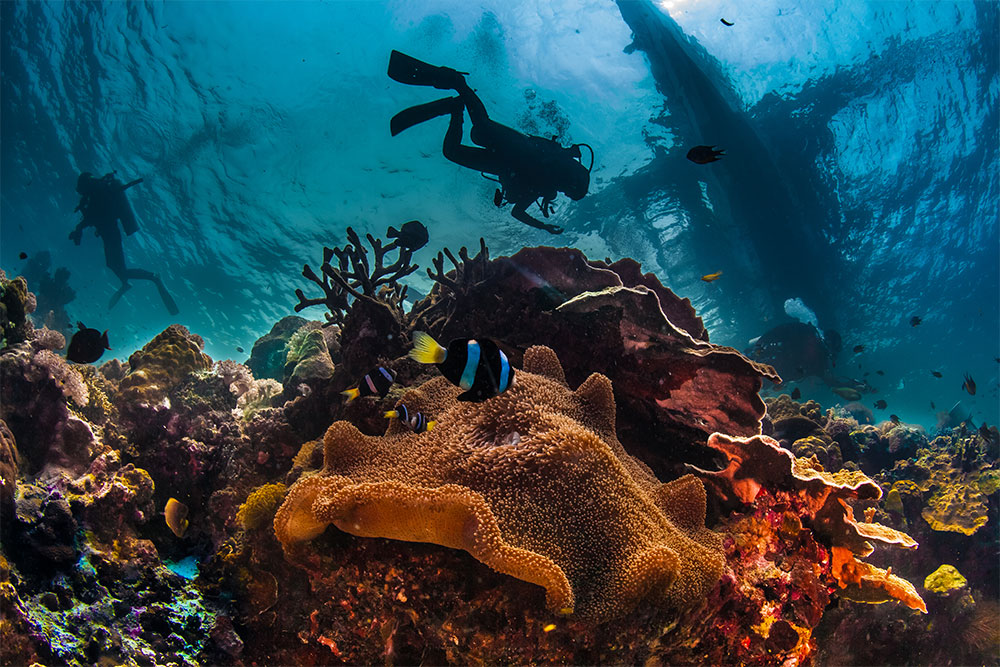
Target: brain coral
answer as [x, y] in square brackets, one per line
[533, 483]
[161, 364]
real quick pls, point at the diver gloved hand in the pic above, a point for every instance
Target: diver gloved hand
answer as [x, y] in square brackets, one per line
[552, 229]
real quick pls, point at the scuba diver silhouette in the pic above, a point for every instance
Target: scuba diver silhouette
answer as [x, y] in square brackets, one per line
[103, 204]
[527, 167]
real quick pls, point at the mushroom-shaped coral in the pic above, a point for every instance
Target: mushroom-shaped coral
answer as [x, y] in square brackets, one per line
[162, 363]
[533, 483]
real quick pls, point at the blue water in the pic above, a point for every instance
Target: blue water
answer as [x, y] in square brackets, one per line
[861, 175]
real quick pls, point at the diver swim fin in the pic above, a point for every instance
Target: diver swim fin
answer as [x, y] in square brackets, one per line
[407, 69]
[116, 297]
[407, 118]
[168, 300]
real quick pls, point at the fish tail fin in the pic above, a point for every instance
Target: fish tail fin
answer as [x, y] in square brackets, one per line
[389, 414]
[392, 233]
[431, 424]
[351, 394]
[104, 340]
[426, 350]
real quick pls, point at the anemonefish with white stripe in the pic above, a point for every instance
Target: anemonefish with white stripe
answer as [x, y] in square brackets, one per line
[476, 365]
[415, 421]
[375, 383]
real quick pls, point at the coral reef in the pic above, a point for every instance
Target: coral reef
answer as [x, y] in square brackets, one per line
[502, 481]
[546, 501]
[355, 278]
[821, 501]
[16, 303]
[160, 365]
[667, 377]
[268, 355]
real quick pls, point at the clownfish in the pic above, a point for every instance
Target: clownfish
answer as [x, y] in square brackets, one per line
[478, 366]
[415, 421]
[375, 383]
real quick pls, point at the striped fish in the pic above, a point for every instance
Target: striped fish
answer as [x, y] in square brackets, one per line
[415, 421]
[375, 383]
[478, 366]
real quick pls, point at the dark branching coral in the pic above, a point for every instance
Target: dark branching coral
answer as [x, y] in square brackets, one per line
[354, 277]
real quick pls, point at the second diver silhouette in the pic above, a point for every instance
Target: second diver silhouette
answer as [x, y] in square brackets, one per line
[103, 204]
[528, 168]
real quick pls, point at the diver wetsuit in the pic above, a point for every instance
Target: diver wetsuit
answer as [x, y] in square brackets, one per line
[103, 204]
[528, 167]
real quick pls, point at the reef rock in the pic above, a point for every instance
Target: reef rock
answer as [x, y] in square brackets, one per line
[759, 464]
[161, 364]
[533, 483]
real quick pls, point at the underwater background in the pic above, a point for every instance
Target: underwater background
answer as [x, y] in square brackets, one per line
[861, 177]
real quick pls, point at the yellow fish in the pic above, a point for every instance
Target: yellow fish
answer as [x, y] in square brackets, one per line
[176, 515]
[711, 276]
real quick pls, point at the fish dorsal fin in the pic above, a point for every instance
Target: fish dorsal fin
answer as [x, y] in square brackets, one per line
[104, 340]
[79, 325]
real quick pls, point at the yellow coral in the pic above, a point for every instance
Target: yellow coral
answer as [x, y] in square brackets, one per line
[161, 364]
[944, 579]
[533, 483]
[260, 506]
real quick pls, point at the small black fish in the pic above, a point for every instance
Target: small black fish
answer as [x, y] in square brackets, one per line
[478, 366]
[914, 321]
[880, 372]
[969, 384]
[997, 359]
[412, 235]
[859, 348]
[936, 374]
[932, 406]
[725, 22]
[796, 394]
[23, 255]
[881, 404]
[415, 421]
[704, 154]
[375, 382]
[87, 345]
[240, 349]
[894, 419]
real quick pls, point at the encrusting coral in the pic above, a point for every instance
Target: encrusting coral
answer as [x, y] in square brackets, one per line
[162, 363]
[533, 482]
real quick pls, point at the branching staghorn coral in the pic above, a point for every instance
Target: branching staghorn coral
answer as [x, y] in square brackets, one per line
[354, 277]
[467, 273]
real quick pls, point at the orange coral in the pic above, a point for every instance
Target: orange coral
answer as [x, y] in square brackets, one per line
[533, 483]
[161, 364]
[759, 462]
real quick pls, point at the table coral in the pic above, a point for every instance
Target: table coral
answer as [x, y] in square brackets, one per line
[533, 483]
[161, 364]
